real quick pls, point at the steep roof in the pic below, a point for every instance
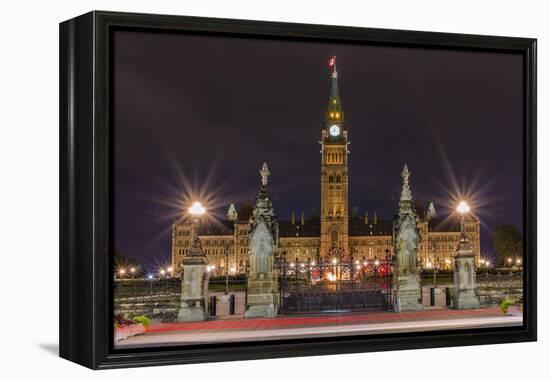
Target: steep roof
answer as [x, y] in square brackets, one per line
[357, 227]
[449, 224]
[310, 228]
[224, 227]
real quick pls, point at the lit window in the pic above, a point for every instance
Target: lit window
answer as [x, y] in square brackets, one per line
[337, 114]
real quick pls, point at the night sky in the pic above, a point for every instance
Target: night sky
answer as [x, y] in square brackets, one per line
[201, 112]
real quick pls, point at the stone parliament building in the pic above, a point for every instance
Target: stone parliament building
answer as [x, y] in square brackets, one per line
[226, 242]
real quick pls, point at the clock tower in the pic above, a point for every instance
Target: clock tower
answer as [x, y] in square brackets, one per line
[334, 174]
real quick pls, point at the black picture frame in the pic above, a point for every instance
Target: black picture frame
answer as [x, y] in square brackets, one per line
[86, 191]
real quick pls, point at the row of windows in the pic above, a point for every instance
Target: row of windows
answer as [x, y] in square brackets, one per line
[213, 251]
[369, 242]
[216, 241]
[335, 212]
[334, 157]
[371, 250]
[313, 243]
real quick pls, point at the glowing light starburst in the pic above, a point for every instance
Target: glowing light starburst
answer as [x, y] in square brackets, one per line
[463, 207]
[197, 209]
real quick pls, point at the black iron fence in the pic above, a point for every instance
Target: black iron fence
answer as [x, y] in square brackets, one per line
[333, 285]
[159, 298]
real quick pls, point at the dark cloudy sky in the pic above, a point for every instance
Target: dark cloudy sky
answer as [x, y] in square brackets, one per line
[211, 110]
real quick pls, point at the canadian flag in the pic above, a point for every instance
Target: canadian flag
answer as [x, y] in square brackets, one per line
[332, 61]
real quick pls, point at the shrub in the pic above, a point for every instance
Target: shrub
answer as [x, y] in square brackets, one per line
[505, 304]
[145, 321]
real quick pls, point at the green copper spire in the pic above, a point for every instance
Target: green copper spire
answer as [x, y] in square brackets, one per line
[334, 111]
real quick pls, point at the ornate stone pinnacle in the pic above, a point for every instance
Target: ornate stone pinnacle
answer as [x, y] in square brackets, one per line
[405, 190]
[405, 175]
[264, 173]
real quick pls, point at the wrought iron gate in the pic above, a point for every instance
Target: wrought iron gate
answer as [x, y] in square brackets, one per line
[335, 286]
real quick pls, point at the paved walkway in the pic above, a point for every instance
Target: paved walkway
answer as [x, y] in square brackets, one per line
[317, 326]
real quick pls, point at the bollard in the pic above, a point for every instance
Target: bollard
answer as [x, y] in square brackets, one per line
[432, 296]
[232, 304]
[213, 306]
[448, 296]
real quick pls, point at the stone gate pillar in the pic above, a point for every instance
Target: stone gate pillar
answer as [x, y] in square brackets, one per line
[465, 296]
[406, 238]
[262, 282]
[194, 294]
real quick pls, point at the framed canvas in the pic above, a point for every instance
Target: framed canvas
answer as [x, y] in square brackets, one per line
[213, 206]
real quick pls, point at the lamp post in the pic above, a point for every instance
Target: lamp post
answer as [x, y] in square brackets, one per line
[196, 211]
[462, 209]
[464, 270]
[226, 249]
[388, 278]
[435, 262]
[194, 298]
[150, 279]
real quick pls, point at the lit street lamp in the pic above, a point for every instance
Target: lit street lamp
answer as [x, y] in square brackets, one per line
[462, 209]
[196, 211]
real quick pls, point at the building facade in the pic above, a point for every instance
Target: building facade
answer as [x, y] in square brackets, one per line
[226, 242]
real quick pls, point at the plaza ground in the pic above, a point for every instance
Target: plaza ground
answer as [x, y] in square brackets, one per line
[231, 329]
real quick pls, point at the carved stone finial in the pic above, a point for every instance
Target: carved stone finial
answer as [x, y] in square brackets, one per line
[405, 175]
[405, 190]
[264, 173]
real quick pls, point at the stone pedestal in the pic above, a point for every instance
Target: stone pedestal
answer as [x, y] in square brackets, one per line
[262, 297]
[194, 294]
[465, 296]
[408, 294]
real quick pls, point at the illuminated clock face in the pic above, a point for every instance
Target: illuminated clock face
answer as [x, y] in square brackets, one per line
[334, 130]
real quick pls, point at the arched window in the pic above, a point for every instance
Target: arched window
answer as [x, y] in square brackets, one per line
[334, 235]
[330, 178]
[338, 178]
